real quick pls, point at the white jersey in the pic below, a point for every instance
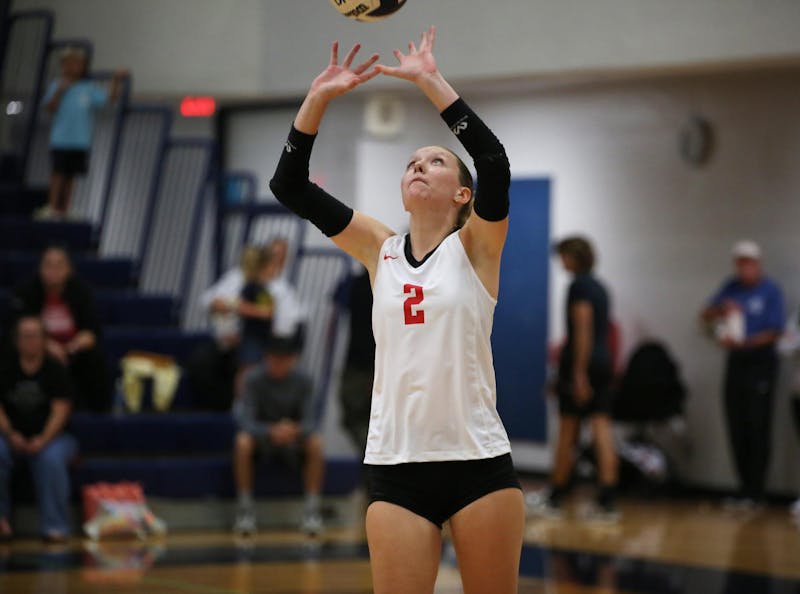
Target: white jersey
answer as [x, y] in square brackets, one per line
[434, 397]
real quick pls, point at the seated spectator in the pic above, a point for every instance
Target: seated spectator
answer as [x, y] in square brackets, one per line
[72, 99]
[275, 419]
[35, 403]
[65, 305]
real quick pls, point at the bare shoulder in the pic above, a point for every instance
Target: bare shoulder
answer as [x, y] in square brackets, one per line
[363, 238]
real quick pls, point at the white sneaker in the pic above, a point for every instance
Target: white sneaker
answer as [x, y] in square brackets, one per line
[312, 523]
[538, 505]
[245, 523]
[604, 514]
[741, 505]
[45, 213]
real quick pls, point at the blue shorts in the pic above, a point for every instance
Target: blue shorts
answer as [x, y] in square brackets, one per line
[251, 351]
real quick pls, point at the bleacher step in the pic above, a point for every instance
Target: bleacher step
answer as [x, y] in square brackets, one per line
[20, 233]
[106, 272]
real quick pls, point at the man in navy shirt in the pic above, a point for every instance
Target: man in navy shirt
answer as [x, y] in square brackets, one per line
[748, 315]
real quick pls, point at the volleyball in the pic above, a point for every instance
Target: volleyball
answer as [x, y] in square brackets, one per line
[367, 10]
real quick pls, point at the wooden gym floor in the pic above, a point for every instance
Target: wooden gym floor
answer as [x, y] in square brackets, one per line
[657, 547]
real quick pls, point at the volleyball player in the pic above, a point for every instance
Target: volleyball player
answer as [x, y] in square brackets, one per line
[437, 450]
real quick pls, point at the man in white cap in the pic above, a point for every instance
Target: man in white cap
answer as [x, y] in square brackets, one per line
[748, 315]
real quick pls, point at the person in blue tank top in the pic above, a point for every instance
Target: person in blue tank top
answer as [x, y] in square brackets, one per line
[73, 100]
[747, 317]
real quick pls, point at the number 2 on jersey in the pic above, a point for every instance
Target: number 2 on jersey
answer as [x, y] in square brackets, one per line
[414, 296]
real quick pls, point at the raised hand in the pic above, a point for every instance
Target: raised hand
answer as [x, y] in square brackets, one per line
[417, 63]
[337, 79]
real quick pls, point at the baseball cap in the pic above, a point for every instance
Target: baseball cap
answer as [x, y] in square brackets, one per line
[746, 249]
[279, 345]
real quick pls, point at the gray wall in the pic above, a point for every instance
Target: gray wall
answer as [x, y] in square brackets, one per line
[663, 229]
[256, 47]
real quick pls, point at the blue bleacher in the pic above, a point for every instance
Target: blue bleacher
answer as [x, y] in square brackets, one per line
[20, 233]
[146, 202]
[125, 307]
[118, 273]
[125, 448]
[211, 476]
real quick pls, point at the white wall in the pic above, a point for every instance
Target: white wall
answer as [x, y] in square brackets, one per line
[663, 229]
[246, 47]
[173, 47]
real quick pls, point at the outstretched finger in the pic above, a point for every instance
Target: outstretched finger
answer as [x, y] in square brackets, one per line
[399, 55]
[334, 53]
[350, 55]
[411, 47]
[431, 36]
[423, 40]
[363, 66]
[388, 70]
[369, 75]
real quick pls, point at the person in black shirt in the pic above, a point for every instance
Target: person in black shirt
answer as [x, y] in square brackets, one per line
[35, 403]
[66, 307]
[584, 377]
[255, 305]
[355, 391]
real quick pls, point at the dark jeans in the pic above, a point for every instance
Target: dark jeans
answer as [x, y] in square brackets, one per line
[749, 396]
[355, 397]
[89, 372]
[210, 371]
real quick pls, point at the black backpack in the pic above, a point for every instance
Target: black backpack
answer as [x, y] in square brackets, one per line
[651, 388]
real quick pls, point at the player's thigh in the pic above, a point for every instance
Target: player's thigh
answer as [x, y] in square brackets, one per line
[404, 550]
[487, 535]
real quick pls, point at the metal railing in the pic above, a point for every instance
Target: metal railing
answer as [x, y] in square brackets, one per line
[173, 223]
[25, 59]
[135, 181]
[320, 272]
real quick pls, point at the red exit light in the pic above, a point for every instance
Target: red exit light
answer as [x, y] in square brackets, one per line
[198, 107]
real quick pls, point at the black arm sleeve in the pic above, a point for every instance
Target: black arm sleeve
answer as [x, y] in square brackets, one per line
[489, 156]
[295, 191]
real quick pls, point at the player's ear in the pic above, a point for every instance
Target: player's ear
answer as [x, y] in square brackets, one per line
[463, 195]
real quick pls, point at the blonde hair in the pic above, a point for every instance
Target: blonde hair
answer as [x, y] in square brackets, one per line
[252, 261]
[465, 179]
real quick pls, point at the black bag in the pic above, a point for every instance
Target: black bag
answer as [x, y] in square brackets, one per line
[651, 388]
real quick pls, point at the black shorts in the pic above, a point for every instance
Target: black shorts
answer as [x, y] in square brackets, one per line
[437, 490]
[600, 403]
[69, 162]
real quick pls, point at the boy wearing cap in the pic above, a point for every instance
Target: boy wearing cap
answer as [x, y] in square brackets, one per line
[72, 100]
[275, 418]
[748, 313]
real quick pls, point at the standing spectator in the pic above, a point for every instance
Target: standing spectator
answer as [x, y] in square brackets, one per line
[276, 419]
[789, 346]
[584, 378]
[212, 367]
[747, 314]
[289, 314]
[255, 305]
[355, 391]
[35, 403]
[72, 99]
[66, 308]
